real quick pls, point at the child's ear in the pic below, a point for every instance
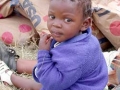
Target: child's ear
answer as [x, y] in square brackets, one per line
[86, 23]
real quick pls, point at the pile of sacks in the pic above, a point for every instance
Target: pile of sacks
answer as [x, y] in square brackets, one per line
[30, 19]
[23, 20]
[106, 17]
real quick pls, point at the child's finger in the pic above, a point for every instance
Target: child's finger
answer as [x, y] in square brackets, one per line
[42, 34]
[45, 37]
[49, 41]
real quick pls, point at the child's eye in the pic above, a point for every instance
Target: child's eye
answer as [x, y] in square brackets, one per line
[52, 17]
[68, 20]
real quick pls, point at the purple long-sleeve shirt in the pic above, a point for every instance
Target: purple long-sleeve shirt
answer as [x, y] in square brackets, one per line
[76, 64]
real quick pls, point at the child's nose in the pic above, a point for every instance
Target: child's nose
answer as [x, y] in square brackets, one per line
[57, 24]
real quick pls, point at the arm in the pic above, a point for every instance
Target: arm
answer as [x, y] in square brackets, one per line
[61, 73]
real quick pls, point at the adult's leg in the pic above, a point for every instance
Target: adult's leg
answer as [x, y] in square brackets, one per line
[25, 65]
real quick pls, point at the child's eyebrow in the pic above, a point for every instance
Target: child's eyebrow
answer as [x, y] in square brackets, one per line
[68, 14]
[50, 11]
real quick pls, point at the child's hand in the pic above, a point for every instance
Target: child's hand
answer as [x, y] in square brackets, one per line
[45, 41]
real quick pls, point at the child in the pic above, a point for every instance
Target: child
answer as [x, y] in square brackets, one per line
[70, 58]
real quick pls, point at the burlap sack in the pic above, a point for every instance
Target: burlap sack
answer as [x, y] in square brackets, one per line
[104, 42]
[16, 30]
[5, 8]
[107, 19]
[36, 11]
[19, 9]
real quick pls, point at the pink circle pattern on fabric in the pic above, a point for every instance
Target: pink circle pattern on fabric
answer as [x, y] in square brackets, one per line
[7, 37]
[45, 18]
[115, 28]
[25, 28]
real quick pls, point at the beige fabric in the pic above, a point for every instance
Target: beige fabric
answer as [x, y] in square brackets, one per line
[107, 18]
[16, 30]
[36, 11]
[5, 8]
[97, 33]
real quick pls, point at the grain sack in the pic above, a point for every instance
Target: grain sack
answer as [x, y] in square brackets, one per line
[19, 9]
[104, 42]
[107, 18]
[16, 30]
[36, 11]
[7, 7]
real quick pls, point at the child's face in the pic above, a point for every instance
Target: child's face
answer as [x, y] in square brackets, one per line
[65, 20]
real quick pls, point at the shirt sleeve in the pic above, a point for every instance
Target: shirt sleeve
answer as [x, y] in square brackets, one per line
[59, 72]
[34, 73]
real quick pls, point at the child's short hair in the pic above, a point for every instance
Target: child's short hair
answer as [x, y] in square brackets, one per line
[86, 6]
